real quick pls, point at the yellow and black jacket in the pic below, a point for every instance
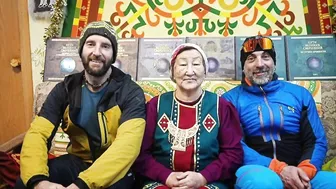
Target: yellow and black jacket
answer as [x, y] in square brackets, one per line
[121, 118]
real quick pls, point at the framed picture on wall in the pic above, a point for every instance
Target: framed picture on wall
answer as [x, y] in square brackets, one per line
[41, 9]
[311, 57]
[61, 59]
[127, 57]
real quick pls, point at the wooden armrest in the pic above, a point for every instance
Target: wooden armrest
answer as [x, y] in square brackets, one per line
[10, 145]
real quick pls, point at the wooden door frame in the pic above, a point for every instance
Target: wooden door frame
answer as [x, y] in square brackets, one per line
[26, 71]
[26, 64]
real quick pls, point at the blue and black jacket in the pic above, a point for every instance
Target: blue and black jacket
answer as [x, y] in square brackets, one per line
[280, 122]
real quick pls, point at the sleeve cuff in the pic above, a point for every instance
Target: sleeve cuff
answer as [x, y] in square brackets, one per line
[36, 179]
[206, 174]
[308, 168]
[277, 165]
[81, 184]
[162, 177]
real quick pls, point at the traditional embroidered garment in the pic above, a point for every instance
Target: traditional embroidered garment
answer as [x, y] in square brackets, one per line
[203, 136]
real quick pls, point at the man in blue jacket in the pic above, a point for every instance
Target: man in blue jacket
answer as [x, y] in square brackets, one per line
[285, 143]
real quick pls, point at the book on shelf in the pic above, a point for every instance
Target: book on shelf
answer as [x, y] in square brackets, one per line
[61, 59]
[311, 57]
[127, 57]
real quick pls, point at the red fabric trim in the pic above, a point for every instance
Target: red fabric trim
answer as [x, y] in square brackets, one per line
[9, 169]
[185, 160]
[248, 82]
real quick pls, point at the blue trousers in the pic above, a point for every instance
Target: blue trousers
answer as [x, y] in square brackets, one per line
[260, 177]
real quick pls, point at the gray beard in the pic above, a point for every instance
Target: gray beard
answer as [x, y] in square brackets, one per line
[263, 80]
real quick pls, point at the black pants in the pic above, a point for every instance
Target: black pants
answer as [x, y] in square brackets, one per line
[65, 169]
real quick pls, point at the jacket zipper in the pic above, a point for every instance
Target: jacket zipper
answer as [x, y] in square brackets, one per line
[272, 123]
[261, 123]
[102, 122]
[281, 121]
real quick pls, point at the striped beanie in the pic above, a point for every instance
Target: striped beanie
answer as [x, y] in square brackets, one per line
[102, 28]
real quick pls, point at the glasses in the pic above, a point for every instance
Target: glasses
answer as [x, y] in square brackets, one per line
[251, 44]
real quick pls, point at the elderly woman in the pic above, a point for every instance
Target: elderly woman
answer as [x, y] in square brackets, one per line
[192, 137]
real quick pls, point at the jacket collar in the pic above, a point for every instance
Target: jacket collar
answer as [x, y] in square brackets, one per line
[262, 89]
[73, 85]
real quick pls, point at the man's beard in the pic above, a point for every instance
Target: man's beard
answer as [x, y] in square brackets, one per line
[96, 73]
[261, 80]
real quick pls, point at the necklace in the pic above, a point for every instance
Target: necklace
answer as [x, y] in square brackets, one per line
[95, 86]
[182, 138]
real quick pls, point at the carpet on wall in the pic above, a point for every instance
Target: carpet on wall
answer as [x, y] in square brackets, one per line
[328, 99]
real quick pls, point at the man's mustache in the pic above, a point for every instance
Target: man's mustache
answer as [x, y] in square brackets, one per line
[93, 57]
[262, 70]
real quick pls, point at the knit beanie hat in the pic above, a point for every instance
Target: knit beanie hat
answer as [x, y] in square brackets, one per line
[102, 28]
[244, 55]
[187, 46]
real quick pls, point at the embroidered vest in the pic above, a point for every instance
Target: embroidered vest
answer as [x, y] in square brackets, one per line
[206, 147]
